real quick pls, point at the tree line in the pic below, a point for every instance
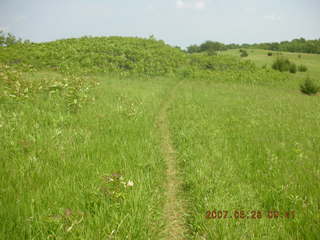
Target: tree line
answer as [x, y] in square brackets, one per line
[9, 39]
[211, 47]
[296, 45]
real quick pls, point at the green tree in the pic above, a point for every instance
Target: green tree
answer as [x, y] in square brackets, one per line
[193, 49]
[2, 38]
[210, 46]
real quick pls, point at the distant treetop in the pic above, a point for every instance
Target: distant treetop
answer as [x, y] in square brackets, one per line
[9, 39]
[296, 45]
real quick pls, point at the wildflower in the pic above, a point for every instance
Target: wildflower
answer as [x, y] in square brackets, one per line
[130, 183]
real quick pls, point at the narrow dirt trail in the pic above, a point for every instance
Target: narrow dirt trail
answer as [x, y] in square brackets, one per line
[173, 208]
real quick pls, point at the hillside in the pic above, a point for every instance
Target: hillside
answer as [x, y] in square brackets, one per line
[114, 55]
[97, 54]
[121, 55]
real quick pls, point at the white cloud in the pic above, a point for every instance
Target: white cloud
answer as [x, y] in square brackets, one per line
[191, 4]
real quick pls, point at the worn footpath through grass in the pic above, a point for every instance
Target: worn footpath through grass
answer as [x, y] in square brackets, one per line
[174, 206]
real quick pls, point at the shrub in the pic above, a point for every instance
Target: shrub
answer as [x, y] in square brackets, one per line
[309, 87]
[243, 53]
[269, 54]
[292, 68]
[281, 64]
[302, 68]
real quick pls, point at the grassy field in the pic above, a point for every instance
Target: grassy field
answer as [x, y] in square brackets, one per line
[69, 176]
[250, 149]
[220, 150]
[261, 58]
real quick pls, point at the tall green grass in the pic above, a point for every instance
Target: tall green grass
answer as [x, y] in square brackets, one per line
[80, 152]
[57, 165]
[248, 148]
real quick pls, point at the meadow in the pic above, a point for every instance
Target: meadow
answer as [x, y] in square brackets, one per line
[261, 58]
[128, 138]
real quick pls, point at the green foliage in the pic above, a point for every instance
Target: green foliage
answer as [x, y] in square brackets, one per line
[212, 52]
[243, 53]
[193, 49]
[302, 68]
[283, 64]
[211, 46]
[269, 54]
[99, 54]
[120, 55]
[309, 87]
[75, 59]
[201, 62]
[296, 45]
[293, 68]
[17, 86]
[8, 39]
[2, 38]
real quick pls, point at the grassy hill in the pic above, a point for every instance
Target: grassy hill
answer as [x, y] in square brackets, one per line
[122, 55]
[98, 54]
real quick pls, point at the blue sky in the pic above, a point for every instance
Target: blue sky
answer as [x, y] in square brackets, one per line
[177, 22]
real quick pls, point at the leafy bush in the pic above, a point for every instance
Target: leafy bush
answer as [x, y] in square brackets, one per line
[243, 53]
[283, 64]
[269, 54]
[293, 68]
[309, 87]
[302, 68]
